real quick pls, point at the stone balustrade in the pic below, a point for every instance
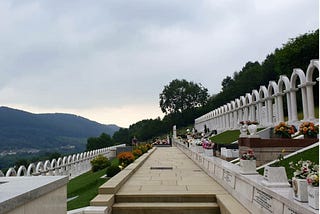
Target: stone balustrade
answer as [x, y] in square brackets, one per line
[72, 165]
[247, 189]
[265, 105]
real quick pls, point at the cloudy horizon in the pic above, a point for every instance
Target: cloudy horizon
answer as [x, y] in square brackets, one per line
[108, 61]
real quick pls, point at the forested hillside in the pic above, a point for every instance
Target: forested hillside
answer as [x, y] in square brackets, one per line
[24, 130]
[296, 53]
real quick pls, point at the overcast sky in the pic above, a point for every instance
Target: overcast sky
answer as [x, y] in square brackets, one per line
[109, 60]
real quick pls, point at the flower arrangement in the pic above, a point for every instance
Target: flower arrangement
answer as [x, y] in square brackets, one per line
[284, 130]
[248, 122]
[308, 129]
[313, 179]
[136, 153]
[125, 158]
[249, 155]
[302, 168]
[207, 144]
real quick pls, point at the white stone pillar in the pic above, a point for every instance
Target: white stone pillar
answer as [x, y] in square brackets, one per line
[269, 110]
[294, 111]
[309, 86]
[235, 118]
[304, 101]
[245, 113]
[280, 107]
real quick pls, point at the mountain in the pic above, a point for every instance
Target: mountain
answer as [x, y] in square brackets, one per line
[21, 130]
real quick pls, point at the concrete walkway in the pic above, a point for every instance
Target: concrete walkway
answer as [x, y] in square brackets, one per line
[169, 171]
[170, 182]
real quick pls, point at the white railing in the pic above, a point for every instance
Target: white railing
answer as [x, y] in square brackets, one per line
[266, 104]
[72, 165]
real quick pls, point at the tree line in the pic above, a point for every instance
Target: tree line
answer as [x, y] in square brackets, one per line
[183, 101]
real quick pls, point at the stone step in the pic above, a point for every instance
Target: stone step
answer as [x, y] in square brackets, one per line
[167, 208]
[183, 197]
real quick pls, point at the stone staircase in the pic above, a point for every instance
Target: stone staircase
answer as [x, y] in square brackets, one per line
[165, 203]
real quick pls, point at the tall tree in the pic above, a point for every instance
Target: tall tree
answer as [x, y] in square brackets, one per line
[181, 95]
[104, 140]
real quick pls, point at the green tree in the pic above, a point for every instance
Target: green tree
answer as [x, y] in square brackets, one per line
[104, 140]
[181, 95]
[121, 136]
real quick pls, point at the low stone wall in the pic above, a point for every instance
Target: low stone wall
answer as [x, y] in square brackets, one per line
[267, 150]
[72, 165]
[247, 189]
[29, 195]
[103, 202]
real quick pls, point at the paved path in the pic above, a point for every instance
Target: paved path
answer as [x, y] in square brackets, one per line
[155, 176]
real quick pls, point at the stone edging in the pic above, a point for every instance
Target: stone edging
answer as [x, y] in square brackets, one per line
[114, 184]
[247, 189]
[27, 189]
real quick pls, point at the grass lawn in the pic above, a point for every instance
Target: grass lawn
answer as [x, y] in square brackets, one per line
[226, 137]
[85, 187]
[311, 154]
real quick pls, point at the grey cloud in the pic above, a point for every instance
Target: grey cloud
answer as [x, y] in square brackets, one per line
[106, 53]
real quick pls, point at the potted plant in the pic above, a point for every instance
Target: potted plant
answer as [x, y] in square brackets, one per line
[309, 130]
[275, 175]
[299, 180]
[313, 186]
[248, 162]
[283, 130]
[207, 146]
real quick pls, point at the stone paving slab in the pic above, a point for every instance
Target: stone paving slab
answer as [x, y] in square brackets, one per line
[185, 177]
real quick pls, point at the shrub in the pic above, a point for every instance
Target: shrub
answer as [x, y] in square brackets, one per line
[113, 170]
[143, 148]
[125, 158]
[149, 146]
[137, 153]
[99, 162]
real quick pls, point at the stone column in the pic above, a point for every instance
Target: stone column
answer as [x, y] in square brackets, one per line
[280, 107]
[309, 86]
[269, 110]
[245, 113]
[235, 118]
[289, 107]
[174, 132]
[304, 101]
[293, 98]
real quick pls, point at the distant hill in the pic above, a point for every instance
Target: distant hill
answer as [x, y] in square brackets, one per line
[21, 130]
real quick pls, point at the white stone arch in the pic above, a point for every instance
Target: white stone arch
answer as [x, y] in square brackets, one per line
[257, 105]
[54, 166]
[298, 74]
[74, 158]
[11, 172]
[22, 171]
[314, 65]
[263, 96]
[237, 104]
[234, 113]
[273, 94]
[39, 167]
[64, 160]
[31, 169]
[230, 116]
[251, 108]
[284, 90]
[69, 159]
[244, 108]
